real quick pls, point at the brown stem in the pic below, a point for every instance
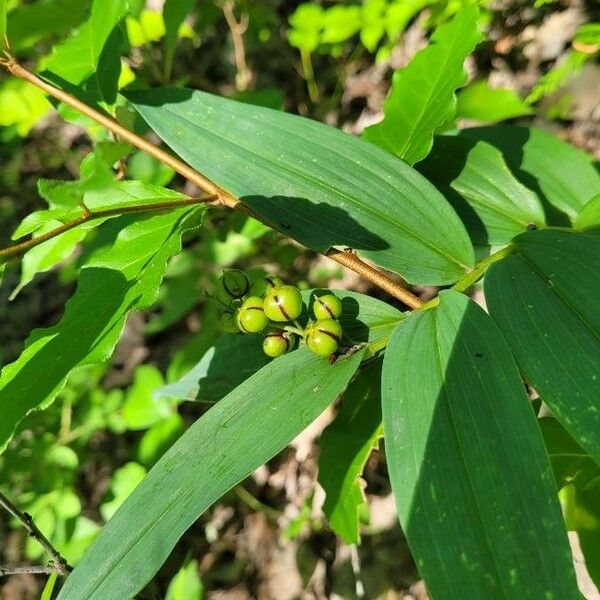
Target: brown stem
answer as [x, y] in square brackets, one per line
[203, 183]
[28, 569]
[237, 29]
[60, 565]
[19, 249]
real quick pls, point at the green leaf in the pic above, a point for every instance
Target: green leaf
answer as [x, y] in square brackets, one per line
[545, 299]
[493, 204]
[553, 169]
[115, 279]
[29, 23]
[345, 447]
[141, 410]
[90, 58]
[480, 102]
[589, 216]
[124, 481]
[98, 190]
[314, 183]
[223, 367]
[472, 482]
[3, 8]
[422, 98]
[186, 585]
[578, 477]
[174, 13]
[48, 254]
[237, 435]
[49, 587]
[158, 438]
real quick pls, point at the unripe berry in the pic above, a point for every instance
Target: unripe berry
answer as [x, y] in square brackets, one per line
[283, 303]
[261, 286]
[327, 307]
[231, 285]
[251, 317]
[277, 343]
[324, 337]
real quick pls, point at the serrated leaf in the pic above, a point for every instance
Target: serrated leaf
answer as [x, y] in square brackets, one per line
[345, 447]
[545, 297]
[215, 454]
[480, 102]
[90, 58]
[494, 205]
[114, 281]
[422, 97]
[49, 253]
[554, 170]
[314, 183]
[472, 481]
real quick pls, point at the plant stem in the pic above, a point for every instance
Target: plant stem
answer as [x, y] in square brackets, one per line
[60, 565]
[309, 76]
[237, 29]
[462, 285]
[347, 259]
[19, 249]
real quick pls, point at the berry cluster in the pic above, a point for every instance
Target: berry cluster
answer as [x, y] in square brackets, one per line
[271, 306]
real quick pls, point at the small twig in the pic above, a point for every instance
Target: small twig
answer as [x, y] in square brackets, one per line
[20, 249]
[31, 570]
[237, 29]
[203, 183]
[59, 564]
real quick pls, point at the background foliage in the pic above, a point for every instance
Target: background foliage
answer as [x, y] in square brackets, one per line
[110, 328]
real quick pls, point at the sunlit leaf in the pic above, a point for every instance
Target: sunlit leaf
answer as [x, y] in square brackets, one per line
[494, 205]
[480, 102]
[422, 97]
[315, 183]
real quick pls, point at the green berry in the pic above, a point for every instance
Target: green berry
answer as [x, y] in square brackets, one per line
[277, 343]
[261, 286]
[324, 337]
[251, 317]
[233, 284]
[327, 307]
[283, 303]
[229, 323]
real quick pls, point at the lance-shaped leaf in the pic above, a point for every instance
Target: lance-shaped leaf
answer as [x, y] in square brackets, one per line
[314, 183]
[118, 278]
[473, 485]
[491, 201]
[422, 97]
[244, 430]
[558, 173]
[545, 299]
